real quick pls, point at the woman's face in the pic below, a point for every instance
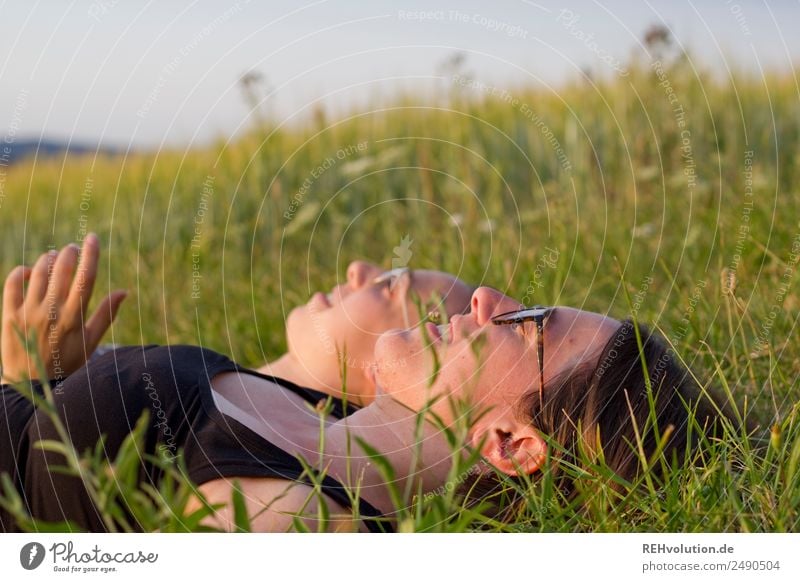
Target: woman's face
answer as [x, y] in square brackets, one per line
[343, 325]
[484, 367]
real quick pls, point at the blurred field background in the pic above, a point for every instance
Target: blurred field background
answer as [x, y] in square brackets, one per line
[698, 222]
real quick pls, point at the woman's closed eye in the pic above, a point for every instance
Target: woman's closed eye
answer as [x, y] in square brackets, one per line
[520, 327]
[390, 280]
[387, 282]
[391, 284]
[525, 328]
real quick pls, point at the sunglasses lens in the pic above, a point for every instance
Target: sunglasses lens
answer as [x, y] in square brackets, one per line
[526, 314]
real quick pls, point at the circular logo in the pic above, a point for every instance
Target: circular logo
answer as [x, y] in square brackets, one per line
[31, 555]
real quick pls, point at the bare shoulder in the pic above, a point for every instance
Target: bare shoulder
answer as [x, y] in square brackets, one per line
[272, 505]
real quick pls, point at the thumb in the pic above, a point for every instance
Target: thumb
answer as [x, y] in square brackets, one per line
[100, 321]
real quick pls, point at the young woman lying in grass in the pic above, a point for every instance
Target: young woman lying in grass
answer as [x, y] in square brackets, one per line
[331, 330]
[109, 394]
[534, 390]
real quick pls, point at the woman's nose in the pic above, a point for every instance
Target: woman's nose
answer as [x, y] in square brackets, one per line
[359, 273]
[488, 302]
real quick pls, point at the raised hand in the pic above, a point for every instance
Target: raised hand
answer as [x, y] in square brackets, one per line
[53, 308]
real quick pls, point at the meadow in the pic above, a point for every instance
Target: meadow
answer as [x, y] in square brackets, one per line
[669, 194]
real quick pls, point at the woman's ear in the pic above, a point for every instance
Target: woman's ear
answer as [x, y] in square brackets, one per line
[522, 451]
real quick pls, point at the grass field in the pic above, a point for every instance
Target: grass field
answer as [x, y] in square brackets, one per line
[674, 184]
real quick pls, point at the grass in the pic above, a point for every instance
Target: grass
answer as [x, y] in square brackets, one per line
[689, 208]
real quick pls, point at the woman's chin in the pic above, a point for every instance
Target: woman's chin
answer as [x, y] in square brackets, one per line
[395, 332]
[292, 319]
[391, 347]
[391, 344]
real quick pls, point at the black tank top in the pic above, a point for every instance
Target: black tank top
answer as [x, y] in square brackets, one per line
[107, 397]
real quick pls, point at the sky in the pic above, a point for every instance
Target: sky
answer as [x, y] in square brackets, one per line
[123, 73]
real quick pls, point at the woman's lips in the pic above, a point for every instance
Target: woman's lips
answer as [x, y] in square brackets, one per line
[454, 328]
[433, 332]
[439, 333]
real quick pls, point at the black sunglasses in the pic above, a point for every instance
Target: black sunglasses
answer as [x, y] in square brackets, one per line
[538, 315]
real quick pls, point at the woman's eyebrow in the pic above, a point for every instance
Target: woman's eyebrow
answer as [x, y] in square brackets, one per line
[382, 278]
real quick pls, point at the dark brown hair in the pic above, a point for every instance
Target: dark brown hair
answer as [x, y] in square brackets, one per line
[613, 407]
[617, 408]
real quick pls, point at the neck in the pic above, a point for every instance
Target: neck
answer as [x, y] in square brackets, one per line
[290, 368]
[419, 454]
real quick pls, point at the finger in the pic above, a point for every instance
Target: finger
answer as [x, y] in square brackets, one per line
[100, 321]
[40, 276]
[83, 284]
[14, 289]
[63, 270]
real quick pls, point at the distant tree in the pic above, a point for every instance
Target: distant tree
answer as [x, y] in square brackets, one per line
[255, 89]
[658, 40]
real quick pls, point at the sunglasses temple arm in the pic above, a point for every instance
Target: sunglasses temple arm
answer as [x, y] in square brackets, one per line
[540, 356]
